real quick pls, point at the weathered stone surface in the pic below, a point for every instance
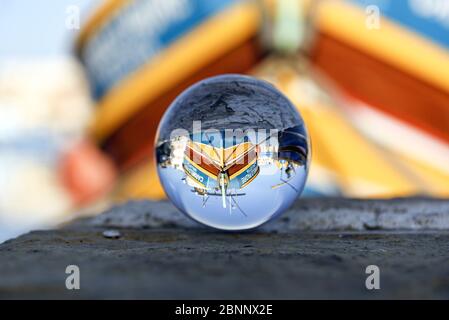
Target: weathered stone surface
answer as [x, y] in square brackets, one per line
[306, 214]
[161, 254]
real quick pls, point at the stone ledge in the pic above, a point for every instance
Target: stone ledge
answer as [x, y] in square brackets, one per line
[160, 254]
[307, 214]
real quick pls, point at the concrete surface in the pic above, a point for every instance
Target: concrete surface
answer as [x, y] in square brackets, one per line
[318, 249]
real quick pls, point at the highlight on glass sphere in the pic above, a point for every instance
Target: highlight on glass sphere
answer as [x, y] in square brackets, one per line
[232, 152]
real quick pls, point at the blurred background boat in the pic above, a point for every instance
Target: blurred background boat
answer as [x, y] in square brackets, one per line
[79, 108]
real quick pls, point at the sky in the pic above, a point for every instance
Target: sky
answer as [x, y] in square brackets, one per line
[259, 201]
[30, 28]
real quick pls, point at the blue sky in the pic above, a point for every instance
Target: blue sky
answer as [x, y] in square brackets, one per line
[36, 28]
[260, 202]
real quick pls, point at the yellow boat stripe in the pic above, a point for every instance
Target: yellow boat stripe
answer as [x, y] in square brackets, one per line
[242, 170]
[194, 179]
[414, 54]
[219, 34]
[250, 180]
[201, 169]
[208, 151]
[360, 168]
[212, 157]
[211, 152]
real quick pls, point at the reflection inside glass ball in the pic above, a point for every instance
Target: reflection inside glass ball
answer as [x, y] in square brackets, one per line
[232, 152]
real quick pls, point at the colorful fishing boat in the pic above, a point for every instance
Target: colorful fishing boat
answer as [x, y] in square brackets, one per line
[220, 166]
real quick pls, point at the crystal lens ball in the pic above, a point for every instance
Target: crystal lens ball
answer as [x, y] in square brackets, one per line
[232, 152]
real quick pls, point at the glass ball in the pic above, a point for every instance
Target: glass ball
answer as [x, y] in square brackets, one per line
[232, 152]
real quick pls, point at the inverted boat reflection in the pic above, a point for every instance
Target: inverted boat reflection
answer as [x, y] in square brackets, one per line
[217, 164]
